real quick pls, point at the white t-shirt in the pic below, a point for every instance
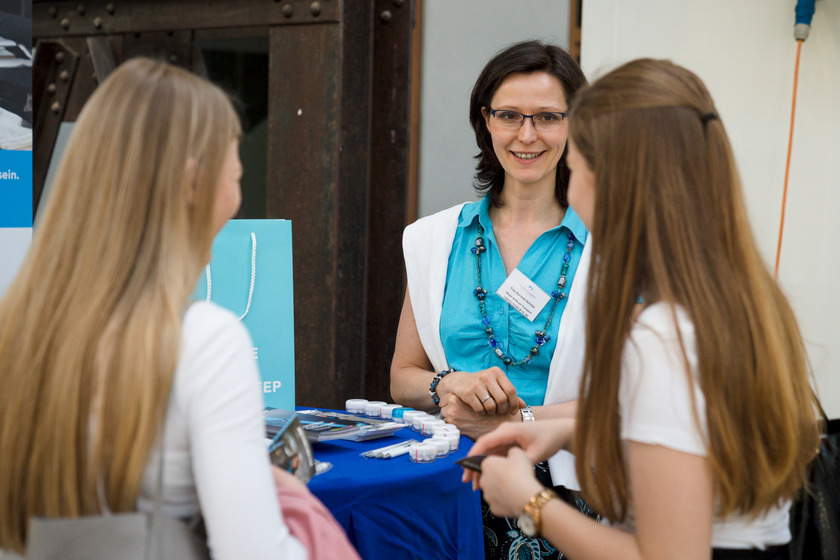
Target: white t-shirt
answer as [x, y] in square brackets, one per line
[655, 405]
[215, 451]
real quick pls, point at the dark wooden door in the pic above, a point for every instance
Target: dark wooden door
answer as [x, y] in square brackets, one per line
[324, 88]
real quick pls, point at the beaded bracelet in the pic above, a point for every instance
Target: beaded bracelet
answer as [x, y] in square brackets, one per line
[433, 386]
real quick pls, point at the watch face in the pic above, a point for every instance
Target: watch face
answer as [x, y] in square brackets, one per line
[526, 525]
[527, 414]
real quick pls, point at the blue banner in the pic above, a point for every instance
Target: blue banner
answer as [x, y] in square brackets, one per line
[15, 189]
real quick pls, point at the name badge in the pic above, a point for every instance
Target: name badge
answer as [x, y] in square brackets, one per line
[523, 295]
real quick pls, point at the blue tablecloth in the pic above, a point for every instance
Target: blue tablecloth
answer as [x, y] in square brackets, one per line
[397, 509]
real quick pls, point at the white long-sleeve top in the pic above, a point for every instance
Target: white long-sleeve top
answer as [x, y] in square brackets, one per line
[215, 456]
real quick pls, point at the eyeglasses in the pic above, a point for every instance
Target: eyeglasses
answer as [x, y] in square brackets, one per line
[549, 120]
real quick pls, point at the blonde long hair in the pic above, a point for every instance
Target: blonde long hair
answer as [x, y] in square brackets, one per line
[670, 224]
[90, 329]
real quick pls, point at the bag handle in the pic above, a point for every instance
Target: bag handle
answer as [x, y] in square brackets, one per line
[209, 277]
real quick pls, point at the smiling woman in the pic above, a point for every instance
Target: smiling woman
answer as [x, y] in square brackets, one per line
[468, 342]
[528, 149]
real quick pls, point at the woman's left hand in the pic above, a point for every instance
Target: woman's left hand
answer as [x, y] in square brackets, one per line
[508, 482]
[285, 479]
[471, 423]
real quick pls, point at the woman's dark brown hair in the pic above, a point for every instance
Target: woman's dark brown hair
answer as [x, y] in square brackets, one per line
[521, 58]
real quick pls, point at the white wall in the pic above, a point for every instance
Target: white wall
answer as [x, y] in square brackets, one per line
[745, 52]
[459, 37]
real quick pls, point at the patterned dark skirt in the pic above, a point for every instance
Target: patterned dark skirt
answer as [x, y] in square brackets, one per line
[504, 541]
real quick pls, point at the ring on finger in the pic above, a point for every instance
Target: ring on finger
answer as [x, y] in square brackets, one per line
[485, 399]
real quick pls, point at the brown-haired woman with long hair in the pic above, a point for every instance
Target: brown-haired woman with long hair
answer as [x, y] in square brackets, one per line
[100, 351]
[696, 421]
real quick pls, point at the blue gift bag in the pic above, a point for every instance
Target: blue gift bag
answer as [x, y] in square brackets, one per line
[250, 273]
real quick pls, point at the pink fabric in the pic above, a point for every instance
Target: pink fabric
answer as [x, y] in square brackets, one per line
[314, 526]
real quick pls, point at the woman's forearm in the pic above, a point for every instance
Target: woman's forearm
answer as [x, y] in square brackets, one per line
[583, 538]
[555, 411]
[410, 387]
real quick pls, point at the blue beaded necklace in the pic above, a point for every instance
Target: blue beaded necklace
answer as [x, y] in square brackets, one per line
[540, 336]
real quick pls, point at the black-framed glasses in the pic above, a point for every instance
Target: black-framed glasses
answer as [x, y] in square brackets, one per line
[548, 120]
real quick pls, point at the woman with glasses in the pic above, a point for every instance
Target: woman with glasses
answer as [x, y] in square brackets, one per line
[491, 328]
[696, 421]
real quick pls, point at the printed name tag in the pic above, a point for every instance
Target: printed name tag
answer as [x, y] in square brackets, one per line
[523, 294]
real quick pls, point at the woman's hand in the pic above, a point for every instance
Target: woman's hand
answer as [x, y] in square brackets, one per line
[285, 479]
[472, 424]
[539, 441]
[508, 482]
[486, 392]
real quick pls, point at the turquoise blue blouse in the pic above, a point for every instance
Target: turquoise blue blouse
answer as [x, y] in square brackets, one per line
[465, 341]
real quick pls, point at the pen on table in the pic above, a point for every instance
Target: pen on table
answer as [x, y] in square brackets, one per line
[380, 453]
[377, 453]
[397, 452]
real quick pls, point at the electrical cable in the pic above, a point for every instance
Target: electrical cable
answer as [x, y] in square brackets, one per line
[804, 11]
[787, 165]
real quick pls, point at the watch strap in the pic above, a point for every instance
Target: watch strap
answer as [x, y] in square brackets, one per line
[534, 507]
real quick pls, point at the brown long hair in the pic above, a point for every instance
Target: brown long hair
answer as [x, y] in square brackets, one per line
[670, 224]
[90, 328]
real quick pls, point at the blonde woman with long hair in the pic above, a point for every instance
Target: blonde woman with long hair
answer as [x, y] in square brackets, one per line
[696, 421]
[99, 346]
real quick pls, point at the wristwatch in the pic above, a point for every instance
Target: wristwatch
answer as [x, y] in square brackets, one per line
[530, 520]
[527, 414]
